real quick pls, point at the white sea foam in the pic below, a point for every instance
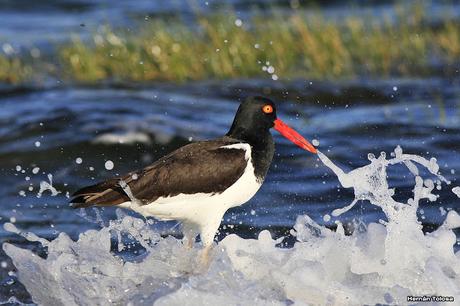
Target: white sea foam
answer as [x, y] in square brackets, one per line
[125, 138]
[384, 263]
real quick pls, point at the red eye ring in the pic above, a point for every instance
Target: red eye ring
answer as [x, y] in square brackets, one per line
[267, 109]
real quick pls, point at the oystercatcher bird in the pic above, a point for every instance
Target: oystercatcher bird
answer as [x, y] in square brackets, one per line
[199, 182]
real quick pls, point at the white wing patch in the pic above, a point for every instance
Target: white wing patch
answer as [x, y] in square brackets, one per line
[241, 146]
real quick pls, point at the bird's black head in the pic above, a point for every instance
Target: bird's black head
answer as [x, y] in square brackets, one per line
[254, 119]
[255, 114]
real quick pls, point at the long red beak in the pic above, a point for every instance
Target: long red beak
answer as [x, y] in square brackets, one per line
[293, 136]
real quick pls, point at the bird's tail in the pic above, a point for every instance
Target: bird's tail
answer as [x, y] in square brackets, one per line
[107, 193]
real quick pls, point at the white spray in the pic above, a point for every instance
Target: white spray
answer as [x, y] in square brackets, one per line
[384, 264]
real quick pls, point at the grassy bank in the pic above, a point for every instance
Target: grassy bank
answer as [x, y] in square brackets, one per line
[272, 46]
[14, 70]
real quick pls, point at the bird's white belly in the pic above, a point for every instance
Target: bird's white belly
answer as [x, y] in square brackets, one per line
[198, 207]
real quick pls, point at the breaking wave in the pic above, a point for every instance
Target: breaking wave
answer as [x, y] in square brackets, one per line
[381, 262]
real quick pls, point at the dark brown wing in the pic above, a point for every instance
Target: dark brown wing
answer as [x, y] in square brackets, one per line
[201, 167]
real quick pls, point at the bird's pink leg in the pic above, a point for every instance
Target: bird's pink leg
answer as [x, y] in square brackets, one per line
[207, 233]
[205, 258]
[190, 233]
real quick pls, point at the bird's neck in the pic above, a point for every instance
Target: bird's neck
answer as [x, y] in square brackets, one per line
[254, 137]
[262, 148]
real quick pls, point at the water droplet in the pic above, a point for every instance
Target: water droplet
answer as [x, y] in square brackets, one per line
[10, 281]
[109, 165]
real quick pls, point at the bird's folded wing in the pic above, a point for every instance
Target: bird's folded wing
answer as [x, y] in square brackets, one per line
[201, 167]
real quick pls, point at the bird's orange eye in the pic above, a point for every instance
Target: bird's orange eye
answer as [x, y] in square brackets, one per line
[268, 109]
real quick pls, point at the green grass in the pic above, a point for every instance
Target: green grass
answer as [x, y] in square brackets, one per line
[294, 46]
[14, 70]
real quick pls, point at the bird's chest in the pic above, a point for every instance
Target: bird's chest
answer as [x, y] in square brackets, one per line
[243, 189]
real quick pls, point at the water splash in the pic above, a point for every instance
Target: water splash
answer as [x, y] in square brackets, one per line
[407, 252]
[14, 301]
[44, 186]
[383, 264]
[10, 227]
[456, 190]
[370, 182]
